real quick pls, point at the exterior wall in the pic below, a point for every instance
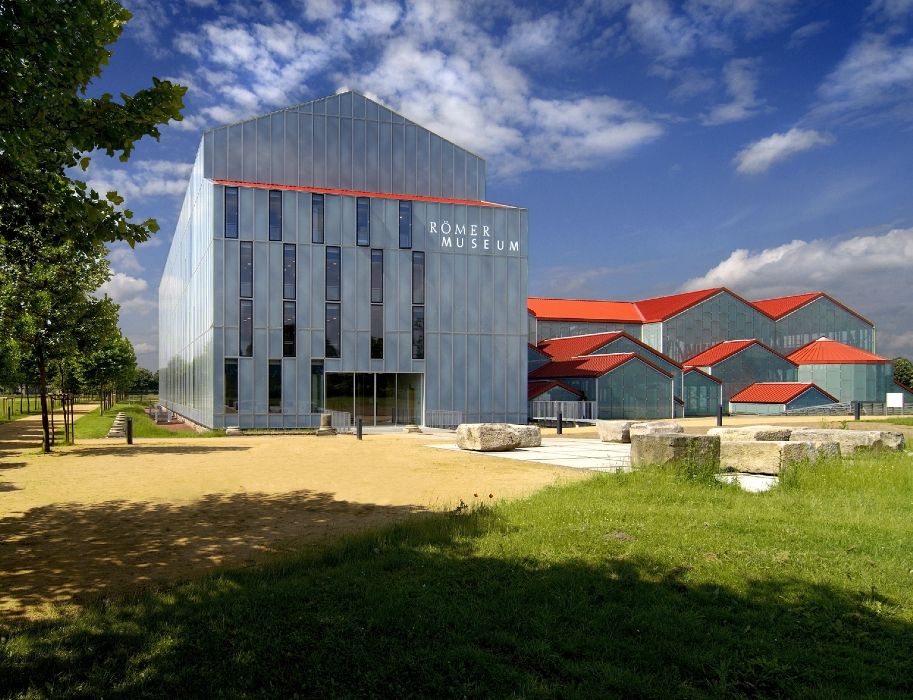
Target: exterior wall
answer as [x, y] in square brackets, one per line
[721, 317]
[757, 409]
[851, 382]
[535, 359]
[627, 345]
[344, 142]
[702, 395]
[186, 340]
[564, 329]
[634, 390]
[812, 397]
[751, 365]
[557, 394]
[532, 330]
[822, 317]
[652, 335]
[897, 389]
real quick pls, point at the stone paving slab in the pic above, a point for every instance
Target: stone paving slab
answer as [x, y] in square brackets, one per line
[568, 452]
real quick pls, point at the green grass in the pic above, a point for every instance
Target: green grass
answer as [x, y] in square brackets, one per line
[897, 421]
[30, 406]
[96, 425]
[652, 584]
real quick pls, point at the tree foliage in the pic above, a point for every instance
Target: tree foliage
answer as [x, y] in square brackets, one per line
[145, 382]
[52, 51]
[109, 367]
[903, 372]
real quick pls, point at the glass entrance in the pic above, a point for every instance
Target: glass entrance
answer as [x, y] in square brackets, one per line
[379, 399]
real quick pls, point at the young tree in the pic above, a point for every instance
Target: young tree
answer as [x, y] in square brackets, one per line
[52, 51]
[145, 382]
[903, 372]
[110, 368]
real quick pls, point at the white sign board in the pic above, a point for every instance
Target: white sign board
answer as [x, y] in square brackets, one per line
[894, 400]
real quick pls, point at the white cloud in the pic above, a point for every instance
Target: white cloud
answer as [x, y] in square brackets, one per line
[740, 77]
[150, 178]
[123, 258]
[759, 156]
[890, 10]
[845, 269]
[806, 32]
[122, 287]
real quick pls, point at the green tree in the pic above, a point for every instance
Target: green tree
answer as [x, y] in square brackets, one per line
[110, 368]
[52, 51]
[903, 372]
[145, 382]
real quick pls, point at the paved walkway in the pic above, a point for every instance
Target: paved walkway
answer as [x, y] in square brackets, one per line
[568, 452]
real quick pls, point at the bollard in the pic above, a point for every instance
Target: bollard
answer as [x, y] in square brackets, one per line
[129, 431]
[857, 409]
[560, 426]
[719, 415]
[359, 422]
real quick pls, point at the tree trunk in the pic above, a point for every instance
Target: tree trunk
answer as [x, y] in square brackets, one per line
[45, 425]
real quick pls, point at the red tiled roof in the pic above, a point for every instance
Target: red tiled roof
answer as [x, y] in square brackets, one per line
[661, 308]
[584, 310]
[775, 392]
[575, 345]
[358, 193]
[825, 351]
[718, 352]
[589, 366]
[537, 388]
[700, 371]
[778, 307]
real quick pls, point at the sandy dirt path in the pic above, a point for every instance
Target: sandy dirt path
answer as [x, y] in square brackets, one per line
[107, 516]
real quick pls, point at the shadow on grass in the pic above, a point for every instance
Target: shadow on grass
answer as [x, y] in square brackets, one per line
[413, 611]
[74, 551]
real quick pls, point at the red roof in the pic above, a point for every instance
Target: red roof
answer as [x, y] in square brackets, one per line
[584, 310]
[702, 372]
[661, 308]
[719, 352]
[775, 392]
[537, 388]
[575, 345]
[589, 366]
[778, 307]
[825, 351]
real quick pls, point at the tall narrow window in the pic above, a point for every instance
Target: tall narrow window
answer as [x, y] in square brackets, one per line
[275, 386]
[363, 221]
[275, 215]
[247, 269]
[377, 276]
[289, 265]
[418, 277]
[418, 332]
[333, 278]
[331, 331]
[246, 331]
[405, 224]
[316, 218]
[316, 386]
[377, 331]
[288, 329]
[231, 212]
[231, 385]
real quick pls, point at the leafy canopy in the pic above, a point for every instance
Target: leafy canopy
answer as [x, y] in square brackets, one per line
[903, 372]
[52, 51]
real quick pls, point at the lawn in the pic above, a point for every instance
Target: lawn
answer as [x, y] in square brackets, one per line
[96, 425]
[650, 584]
[30, 406]
[898, 421]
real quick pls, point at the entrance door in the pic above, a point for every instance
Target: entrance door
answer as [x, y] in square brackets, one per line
[378, 399]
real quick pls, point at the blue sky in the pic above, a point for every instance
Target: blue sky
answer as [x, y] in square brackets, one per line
[766, 146]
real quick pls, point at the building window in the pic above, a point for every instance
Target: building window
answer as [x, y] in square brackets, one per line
[331, 331]
[363, 221]
[418, 277]
[377, 331]
[289, 264]
[333, 277]
[317, 218]
[275, 215]
[231, 212]
[418, 332]
[405, 224]
[377, 276]
[247, 269]
[275, 386]
[231, 385]
[316, 386]
[246, 332]
[288, 329]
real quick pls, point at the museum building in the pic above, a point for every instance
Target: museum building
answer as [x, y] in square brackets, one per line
[337, 256]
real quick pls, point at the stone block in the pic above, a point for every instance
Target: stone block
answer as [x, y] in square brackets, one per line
[655, 427]
[851, 441]
[614, 430]
[530, 435]
[674, 448]
[751, 432]
[487, 437]
[772, 456]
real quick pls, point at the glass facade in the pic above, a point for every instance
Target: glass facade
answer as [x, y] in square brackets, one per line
[405, 224]
[565, 329]
[289, 270]
[275, 215]
[809, 398]
[702, 395]
[231, 212]
[822, 317]
[363, 221]
[751, 365]
[851, 382]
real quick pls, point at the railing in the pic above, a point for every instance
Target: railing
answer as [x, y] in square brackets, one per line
[570, 410]
[845, 408]
[444, 419]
